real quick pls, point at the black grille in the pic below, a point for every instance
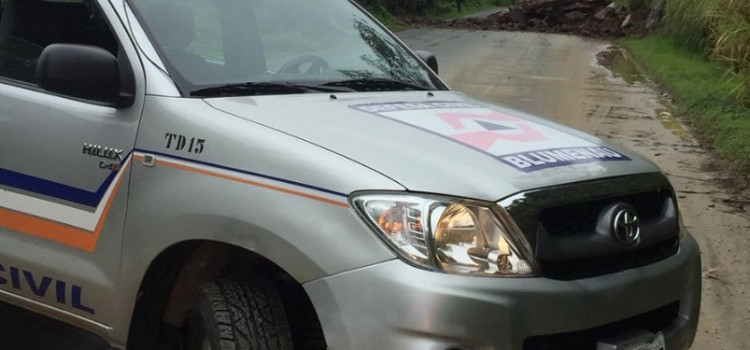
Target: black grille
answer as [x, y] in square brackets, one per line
[569, 228]
[652, 321]
[584, 268]
[581, 218]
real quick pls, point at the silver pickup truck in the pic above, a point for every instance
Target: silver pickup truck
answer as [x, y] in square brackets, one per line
[286, 174]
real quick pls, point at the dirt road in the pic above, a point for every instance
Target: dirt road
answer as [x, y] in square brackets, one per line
[558, 77]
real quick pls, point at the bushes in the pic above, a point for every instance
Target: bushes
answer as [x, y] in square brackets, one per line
[633, 5]
[427, 7]
[409, 7]
[721, 29]
[398, 7]
[690, 20]
[731, 45]
[376, 9]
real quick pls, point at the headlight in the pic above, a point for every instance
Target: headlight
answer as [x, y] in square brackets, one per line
[448, 234]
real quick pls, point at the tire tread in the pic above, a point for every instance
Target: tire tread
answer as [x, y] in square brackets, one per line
[245, 315]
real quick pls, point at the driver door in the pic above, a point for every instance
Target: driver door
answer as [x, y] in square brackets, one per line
[64, 163]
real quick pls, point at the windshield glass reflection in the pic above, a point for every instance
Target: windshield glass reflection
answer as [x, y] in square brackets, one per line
[220, 43]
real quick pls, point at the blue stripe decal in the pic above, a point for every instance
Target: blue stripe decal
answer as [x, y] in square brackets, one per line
[268, 177]
[53, 189]
[91, 199]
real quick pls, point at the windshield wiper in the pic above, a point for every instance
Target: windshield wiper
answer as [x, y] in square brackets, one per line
[263, 88]
[378, 84]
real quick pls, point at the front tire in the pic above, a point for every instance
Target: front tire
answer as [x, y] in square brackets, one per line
[239, 316]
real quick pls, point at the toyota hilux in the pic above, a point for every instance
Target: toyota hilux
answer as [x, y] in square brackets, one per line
[286, 174]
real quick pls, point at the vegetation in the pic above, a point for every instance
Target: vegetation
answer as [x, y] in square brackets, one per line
[702, 90]
[376, 8]
[633, 5]
[428, 7]
[388, 11]
[448, 10]
[702, 55]
[720, 29]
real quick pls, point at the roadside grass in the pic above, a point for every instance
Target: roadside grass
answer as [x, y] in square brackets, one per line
[718, 28]
[690, 21]
[703, 91]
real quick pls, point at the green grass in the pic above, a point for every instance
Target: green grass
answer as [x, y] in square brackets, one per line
[691, 21]
[718, 28]
[703, 91]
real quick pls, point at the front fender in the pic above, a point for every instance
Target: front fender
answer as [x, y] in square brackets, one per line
[252, 187]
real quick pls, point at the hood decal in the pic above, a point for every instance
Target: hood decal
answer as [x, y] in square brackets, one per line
[522, 144]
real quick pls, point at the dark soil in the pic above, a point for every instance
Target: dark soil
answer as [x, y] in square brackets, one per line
[592, 18]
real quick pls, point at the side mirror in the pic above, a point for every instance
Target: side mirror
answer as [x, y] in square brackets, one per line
[81, 71]
[428, 58]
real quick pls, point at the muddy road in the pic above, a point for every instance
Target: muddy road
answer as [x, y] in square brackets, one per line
[561, 78]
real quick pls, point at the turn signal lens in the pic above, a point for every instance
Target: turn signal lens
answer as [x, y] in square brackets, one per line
[392, 221]
[401, 224]
[452, 235]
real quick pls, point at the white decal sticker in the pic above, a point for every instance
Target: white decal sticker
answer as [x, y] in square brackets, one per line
[519, 143]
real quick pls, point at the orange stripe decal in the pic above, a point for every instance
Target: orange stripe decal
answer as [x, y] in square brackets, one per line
[252, 183]
[87, 240]
[57, 232]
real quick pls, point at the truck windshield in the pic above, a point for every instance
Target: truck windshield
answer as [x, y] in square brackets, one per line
[255, 47]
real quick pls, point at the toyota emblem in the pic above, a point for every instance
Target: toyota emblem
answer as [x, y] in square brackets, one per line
[625, 226]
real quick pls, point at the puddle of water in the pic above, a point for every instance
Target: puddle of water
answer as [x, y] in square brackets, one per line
[617, 62]
[672, 124]
[621, 67]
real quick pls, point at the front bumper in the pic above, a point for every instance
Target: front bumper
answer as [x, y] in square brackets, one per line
[395, 306]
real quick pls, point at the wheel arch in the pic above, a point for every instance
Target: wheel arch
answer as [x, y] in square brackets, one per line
[171, 283]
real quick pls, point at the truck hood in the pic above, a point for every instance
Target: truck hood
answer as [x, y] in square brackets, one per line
[442, 142]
